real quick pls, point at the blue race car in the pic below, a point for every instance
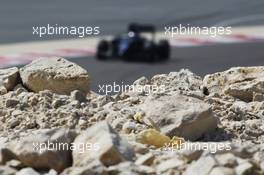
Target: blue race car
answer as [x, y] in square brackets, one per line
[133, 46]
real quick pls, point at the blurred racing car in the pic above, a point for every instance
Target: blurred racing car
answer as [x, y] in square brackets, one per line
[134, 46]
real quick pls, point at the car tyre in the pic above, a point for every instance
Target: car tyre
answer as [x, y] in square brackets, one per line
[164, 49]
[103, 50]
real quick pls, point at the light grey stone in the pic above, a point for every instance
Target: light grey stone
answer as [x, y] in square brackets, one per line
[9, 78]
[55, 74]
[45, 149]
[105, 145]
[27, 171]
[178, 115]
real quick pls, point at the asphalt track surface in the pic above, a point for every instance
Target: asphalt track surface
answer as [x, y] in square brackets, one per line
[18, 17]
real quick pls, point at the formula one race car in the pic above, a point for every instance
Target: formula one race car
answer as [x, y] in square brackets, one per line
[133, 46]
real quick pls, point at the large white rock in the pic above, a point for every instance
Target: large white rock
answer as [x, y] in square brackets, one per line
[203, 166]
[182, 80]
[101, 143]
[93, 168]
[9, 78]
[55, 74]
[5, 170]
[27, 171]
[239, 82]
[246, 90]
[45, 149]
[222, 171]
[178, 115]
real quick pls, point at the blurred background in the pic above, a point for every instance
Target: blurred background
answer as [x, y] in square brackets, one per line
[200, 54]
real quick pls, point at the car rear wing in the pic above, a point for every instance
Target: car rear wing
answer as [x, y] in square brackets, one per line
[139, 28]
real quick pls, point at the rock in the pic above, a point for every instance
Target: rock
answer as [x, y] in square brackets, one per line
[227, 160]
[259, 157]
[222, 171]
[169, 164]
[46, 149]
[57, 103]
[153, 137]
[244, 168]
[94, 168]
[3, 90]
[203, 166]
[6, 155]
[27, 171]
[11, 103]
[15, 164]
[14, 122]
[140, 148]
[51, 172]
[141, 81]
[4, 170]
[183, 80]
[178, 115]
[78, 95]
[239, 82]
[105, 145]
[83, 171]
[138, 117]
[103, 100]
[148, 129]
[19, 89]
[128, 127]
[245, 90]
[55, 74]
[262, 165]
[146, 159]
[258, 97]
[129, 168]
[9, 78]
[191, 154]
[118, 123]
[3, 142]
